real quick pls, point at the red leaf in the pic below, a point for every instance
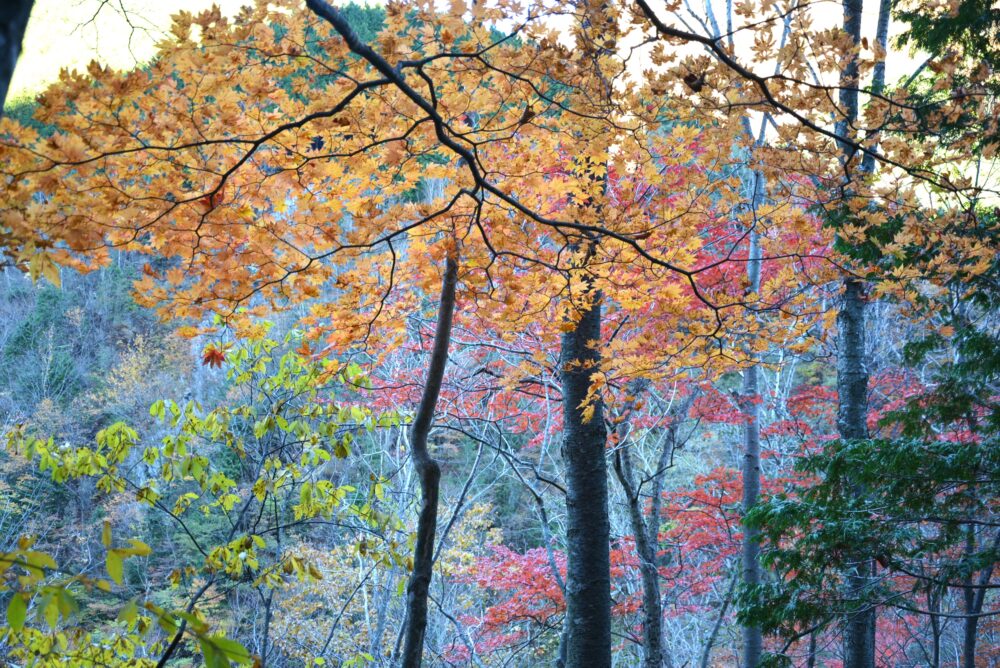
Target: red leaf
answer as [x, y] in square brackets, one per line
[213, 356]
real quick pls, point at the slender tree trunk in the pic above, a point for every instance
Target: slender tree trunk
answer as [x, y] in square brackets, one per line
[974, 594]
[933, 604]
[588, 563]
[811, 660]
[266, 635]
[969, 636]
[13, 21]
[969, 598]
[429, 474]
[678, 412]
[852, 386]
[852, 373]
[752, 638]
[706, 654]
[652, 610]
[753, 642]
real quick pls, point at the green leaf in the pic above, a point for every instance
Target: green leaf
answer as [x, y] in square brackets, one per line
[129, 613]
[51, 611]
[115, 565]
[213, 658]
[17, 610]
[139, 548]
[233, 650]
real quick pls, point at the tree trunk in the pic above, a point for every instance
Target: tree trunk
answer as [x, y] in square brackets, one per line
[706, 653]
[852, 411]
[753, 642]
[588, 563]
[969, 637]
[852, 374]
[13, 21]
[811, 660]
[974, 595]
[652, 610]
[933, 604]
[752, 638]
[429, 474]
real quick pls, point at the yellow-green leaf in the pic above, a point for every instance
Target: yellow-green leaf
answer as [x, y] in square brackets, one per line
[17, 610]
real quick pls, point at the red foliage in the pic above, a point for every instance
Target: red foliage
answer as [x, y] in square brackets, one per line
[213, 357]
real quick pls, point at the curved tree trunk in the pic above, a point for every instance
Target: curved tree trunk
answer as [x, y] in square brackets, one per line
[656, 654]
[430, 475]
[588, 562]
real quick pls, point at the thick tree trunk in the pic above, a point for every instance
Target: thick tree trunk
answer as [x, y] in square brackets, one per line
[969, 640]
[13, 21]
[430, 476]
[588, 567]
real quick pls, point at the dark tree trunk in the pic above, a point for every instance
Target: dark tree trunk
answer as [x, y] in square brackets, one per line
[852, 373]
[13, 20]
[852, 386]
[934, 605]
[969, 598]
[974, 595]
[430, 476]
[969, 638]
[811, 660]
[588, 564]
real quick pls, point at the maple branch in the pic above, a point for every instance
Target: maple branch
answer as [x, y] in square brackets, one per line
[761, 82]
[444, 135]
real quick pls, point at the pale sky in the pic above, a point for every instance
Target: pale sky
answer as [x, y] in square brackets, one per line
[71, 33]
[122, 33]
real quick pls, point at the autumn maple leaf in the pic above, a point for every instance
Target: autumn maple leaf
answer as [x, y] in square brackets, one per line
[213, 356]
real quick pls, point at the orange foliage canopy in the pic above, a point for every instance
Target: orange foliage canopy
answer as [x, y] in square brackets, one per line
[264, 165]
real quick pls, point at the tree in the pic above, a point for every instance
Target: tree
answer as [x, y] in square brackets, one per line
[277, 162]
[257, 466]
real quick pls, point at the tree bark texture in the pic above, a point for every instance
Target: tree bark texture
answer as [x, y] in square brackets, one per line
[852, 373]
[852, 413]
[588, 576]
